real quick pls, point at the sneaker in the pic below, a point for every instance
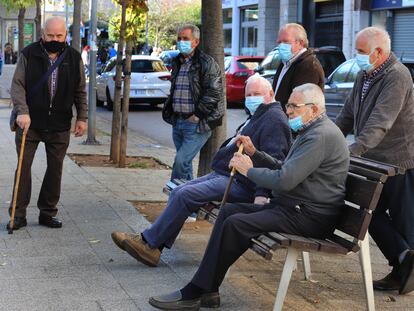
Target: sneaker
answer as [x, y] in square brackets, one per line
[141, 251]
[191, 218]
[118, 237]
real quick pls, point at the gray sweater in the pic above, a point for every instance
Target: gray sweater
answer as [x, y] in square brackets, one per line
[383, 123]
[314, 171]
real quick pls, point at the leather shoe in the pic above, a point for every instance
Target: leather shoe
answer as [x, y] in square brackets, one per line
[391, 281]
[18, 223]
[174, 301]
[210, 300]
[49, 221]
[406, 270]
[141, 251]
[118, 237]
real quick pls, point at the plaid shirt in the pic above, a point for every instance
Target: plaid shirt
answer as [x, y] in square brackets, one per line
[182, 101]
[369, 78]
[310, 122]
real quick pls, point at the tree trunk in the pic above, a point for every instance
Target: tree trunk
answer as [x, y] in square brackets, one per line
[22, 12]
[115, 137]
[38, 19]
[125, 105]
[76, 39]
[213, 44]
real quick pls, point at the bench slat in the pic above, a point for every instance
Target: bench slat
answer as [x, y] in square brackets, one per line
[354, 222]
[349, 245]
[282, 240]
[383, 168]
[301, 242]
[330, 247]
[272, 244]
[360, 191]
[261, 249]
[370, 174]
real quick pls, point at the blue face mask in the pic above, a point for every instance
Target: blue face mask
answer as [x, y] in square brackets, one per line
[252, 102]
[296, 123]
[184, 47]
[363, 62]
[285, 51]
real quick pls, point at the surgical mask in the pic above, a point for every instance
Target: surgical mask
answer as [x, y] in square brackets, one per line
[285, 51]
[363, 62]
[296, 123]
[252, 102]
[54, 46]
[184, 47]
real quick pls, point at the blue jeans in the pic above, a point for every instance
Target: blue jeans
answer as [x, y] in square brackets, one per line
[188, 198]
[187, 143]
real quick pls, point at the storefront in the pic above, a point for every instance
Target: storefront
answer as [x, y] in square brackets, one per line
[398, 18]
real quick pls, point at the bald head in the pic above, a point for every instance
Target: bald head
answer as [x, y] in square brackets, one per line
[259, 86]
[54, 29]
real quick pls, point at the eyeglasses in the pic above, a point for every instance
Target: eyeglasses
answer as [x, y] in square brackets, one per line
[294, 106]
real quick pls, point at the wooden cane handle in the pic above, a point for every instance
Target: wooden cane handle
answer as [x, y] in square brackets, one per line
[16, 185]
[233, 170]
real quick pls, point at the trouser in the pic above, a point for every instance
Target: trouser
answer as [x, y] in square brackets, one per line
[392, 224]
[188, 198]
[56, 144]
[237, 224]
[187, 142]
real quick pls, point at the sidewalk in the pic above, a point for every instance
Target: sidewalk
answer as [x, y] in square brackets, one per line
[79, 268]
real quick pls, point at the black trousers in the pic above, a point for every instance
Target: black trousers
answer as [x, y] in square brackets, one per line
[56, 144]
[392, 224]
[236, 224]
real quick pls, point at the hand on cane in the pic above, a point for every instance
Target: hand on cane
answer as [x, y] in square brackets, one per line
[23, 121]
[249, 148]
[241, 162]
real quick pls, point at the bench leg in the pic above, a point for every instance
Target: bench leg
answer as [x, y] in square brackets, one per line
[290, 262]
[365, 261]
[306, 265]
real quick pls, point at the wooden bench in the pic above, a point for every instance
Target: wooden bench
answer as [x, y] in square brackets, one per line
[363, 188]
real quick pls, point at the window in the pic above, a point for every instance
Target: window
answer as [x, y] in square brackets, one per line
[145, 65]
[272, 61]
[347, 72]
[249, 17]
[110, 65]
[227, 16]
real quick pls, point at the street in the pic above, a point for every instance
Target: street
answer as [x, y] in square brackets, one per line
[147, 121]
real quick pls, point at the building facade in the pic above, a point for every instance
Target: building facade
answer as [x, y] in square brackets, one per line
[251, 26]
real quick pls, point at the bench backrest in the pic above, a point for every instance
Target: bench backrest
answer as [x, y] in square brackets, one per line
[364, 184]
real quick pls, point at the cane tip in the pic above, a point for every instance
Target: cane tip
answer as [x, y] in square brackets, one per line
[10, 231]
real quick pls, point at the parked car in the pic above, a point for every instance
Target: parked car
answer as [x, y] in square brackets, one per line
[339, 84]
[150, 82]
[330, 57]
[237, 70]
[167, 57]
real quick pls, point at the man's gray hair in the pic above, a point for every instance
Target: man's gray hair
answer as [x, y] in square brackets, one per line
[264, 82]
[311, 94]
[195, 31]
[299, 32]
[52, 19]
[376, 37]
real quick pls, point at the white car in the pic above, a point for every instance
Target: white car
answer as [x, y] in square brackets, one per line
[150, 82]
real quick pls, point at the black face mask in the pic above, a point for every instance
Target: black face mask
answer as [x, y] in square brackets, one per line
[54, 46]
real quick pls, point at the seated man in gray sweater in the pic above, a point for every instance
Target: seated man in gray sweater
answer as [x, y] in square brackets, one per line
[308, 195]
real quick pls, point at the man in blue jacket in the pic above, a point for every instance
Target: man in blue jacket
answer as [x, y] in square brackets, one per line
[268, 129]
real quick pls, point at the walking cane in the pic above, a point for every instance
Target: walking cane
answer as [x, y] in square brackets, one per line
[16, 185]
[232, 173]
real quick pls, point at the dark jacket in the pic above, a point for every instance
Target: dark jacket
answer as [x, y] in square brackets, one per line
[206, 88]
[383, 123]
[269, 131]
[47, 114]
[305, 69]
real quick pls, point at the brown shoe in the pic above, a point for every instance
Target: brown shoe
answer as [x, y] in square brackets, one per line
[118, 237]
[390, 282]
[141, 251]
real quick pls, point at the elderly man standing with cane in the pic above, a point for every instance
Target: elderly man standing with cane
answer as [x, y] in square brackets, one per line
[48, 81]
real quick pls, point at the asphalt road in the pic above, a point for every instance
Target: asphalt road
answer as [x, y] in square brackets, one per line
[147, 121]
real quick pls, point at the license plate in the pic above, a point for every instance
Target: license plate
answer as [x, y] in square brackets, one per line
[144, 92]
